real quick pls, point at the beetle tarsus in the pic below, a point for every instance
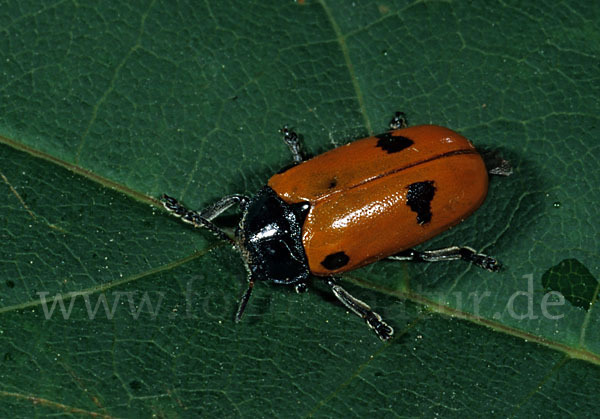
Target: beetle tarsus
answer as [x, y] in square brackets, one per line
[495, 164]
[301, 287]
[293, 142]
[479, 259]
[503, 168]
[399, 121]
[381, 328]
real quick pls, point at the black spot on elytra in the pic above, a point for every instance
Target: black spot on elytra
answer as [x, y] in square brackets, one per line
[419, 197]
[335, 261]
[332, 183]
[10, 283]
[393, 143]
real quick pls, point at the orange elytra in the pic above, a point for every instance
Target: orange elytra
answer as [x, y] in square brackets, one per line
[360, 195]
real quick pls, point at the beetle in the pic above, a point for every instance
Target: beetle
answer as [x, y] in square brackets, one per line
[368, 200]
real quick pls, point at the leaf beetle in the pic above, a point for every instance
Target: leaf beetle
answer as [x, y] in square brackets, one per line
[371, 199]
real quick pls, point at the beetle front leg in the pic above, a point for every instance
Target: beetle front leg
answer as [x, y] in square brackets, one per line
[361, 309]
[449, 253]
[204, 218]
[244, 301]
[223, 204]
[293, 142]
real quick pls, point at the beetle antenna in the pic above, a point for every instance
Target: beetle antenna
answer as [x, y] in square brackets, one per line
[361, 309]
[244, 301]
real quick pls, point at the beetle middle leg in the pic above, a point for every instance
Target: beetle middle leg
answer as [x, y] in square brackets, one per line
[399, 121]
[293, 142]
[361, 309]
[449, 253]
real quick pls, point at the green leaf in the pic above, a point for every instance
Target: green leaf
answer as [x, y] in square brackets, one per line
[109, 306]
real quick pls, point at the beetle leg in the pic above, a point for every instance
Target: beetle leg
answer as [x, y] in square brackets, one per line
[204, 218]
[398, 121]
[244, 301]
[301, 287]
[293, 142]
[361, 309]
[501, 168]
[450, 253]
[495, 164]
[223, 204]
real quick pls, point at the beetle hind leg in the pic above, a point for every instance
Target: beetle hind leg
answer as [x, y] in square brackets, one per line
[495, 164]
[361, 309]
[450, 253]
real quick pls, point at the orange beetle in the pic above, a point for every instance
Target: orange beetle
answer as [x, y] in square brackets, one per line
[371, 199]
